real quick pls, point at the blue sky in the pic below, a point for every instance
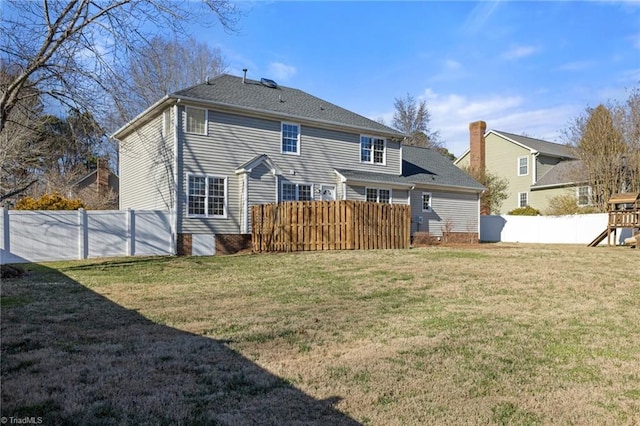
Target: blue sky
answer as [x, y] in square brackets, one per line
[523, 67]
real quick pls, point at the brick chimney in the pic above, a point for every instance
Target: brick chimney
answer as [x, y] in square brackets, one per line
[477, 130]
[102, 178]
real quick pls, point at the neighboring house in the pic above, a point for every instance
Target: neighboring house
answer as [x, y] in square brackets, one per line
[212, 151]
[99, 188]
[536, 170]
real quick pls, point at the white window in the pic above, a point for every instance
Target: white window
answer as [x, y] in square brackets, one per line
[584, 195]
[196, 121]
[523, 199]
[426, 201]
[206, 196]
[523, 166]
[377, 195]
[372, 150]
[296, 192]
[290, 138]
[166, 123]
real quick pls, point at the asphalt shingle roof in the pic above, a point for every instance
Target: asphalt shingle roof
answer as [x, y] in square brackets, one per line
[544, 147]
[420, 166]
[253, 95]
[428, 166]
[563, 173]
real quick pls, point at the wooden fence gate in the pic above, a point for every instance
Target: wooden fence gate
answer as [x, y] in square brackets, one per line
[330, 225]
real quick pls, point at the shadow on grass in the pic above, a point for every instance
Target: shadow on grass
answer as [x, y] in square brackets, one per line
[71, 356]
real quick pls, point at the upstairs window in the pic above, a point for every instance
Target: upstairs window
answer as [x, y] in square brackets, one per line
[166, 123]
[372, 150]
[196, 121]
[426, 201]
[377, 195]
[290, 138]
[297, 192]
[523, 166]
[207, 196]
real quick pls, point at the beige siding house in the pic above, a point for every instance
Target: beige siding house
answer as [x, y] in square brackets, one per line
[536, 170]
[212, 151]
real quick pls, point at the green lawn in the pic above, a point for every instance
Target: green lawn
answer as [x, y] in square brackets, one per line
[497, 334]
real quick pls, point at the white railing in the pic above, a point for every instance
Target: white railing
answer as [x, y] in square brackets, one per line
[47, 235]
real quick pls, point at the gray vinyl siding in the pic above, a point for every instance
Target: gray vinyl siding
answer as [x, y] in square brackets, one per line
[233, 140]
[146, 168]
[460, 208]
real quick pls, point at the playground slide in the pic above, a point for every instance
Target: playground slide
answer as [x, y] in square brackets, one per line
[598, 239]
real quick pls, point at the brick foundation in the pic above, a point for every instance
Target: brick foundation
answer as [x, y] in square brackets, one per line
[184, 244]
[232, 243]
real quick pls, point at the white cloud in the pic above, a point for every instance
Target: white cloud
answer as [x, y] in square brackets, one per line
[451, 64]
[280, 71]
[519, 52]
[575, 66]
[451, 114]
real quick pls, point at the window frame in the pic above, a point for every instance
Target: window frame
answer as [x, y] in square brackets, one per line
[186, 120]
[207, 196]
[166, 122]
[430, 197]
[372, 150]
[282, 138]
[297, 191]
[366, 195]
[526, 195]
[588, 195]
[526, 158]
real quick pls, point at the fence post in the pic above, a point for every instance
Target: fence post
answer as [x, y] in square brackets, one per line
[131, 232]
[83, 234]
[6, 241]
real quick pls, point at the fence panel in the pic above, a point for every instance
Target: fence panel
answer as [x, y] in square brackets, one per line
[38, 236]
[570, 229]
[329, 225]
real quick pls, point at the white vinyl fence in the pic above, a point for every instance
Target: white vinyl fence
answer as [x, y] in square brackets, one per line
[44, 235]
[571, 229]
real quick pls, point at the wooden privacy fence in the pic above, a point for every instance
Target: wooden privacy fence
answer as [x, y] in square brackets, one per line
[330, 225]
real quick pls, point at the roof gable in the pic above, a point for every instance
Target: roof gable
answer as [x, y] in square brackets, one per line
[538, 145]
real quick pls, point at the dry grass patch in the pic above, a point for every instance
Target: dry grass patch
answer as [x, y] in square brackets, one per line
[512, 335]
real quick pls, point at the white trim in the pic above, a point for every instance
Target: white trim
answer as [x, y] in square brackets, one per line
[206, 196]
[378, 189]
[589, 203]
[297, 186]
[176, 179]
[430, 209]
[384, 152]
[245, 201]
[166, 122]
[186, 120]
[519, 198]
[526, 157]
[298, 142]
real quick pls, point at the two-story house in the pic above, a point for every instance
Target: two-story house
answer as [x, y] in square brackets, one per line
[211, 151]
[536, 170]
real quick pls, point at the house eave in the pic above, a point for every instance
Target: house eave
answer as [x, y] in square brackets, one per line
[143, 118]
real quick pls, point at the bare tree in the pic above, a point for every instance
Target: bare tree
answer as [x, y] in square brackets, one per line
[70, 52]
[164, 66]
[606, 139]
[412, 117]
